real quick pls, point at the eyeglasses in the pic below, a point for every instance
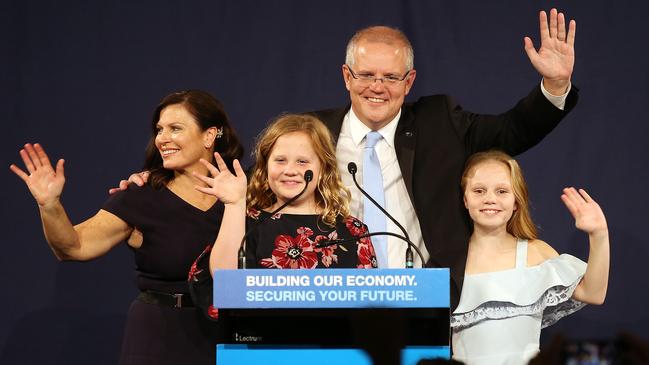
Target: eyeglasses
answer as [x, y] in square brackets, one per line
[367, 78]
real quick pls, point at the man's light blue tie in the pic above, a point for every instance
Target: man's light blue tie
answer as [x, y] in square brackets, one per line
[373, 184]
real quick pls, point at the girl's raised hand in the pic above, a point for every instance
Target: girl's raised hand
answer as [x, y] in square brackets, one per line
[44, 182]
[227, 187]
[587, 213]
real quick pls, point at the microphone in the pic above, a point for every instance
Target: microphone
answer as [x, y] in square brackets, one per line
[308, 176]
[352, 168]
[323, 244]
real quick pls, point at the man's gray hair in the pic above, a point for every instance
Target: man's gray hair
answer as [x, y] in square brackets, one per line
[381, 34]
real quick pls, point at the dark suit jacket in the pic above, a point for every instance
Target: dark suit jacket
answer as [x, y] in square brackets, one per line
[433, 140]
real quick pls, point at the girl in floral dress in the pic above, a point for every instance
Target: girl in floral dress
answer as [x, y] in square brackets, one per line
[285, 150]
[514, 283]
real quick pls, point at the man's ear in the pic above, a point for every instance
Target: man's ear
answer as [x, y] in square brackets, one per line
[347, 77]
[410, 80]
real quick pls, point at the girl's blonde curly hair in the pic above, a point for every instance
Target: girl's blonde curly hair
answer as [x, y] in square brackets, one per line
[331, 196]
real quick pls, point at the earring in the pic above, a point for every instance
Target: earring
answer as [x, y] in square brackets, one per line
[219, 132]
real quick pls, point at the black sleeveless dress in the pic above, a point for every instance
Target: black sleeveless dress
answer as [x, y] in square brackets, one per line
[174, 234]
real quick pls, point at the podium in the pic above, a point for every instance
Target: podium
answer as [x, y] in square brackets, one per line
[339, 316]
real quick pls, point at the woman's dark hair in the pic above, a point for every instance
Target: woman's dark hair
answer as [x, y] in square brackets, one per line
[208, 112]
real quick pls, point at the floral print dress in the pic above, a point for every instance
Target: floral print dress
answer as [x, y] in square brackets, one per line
[288, 241]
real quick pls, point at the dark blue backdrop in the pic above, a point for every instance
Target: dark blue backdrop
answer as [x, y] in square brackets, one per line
[83, 77]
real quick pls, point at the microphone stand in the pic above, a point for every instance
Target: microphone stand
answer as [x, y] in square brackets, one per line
[409, 264]
[352, 168]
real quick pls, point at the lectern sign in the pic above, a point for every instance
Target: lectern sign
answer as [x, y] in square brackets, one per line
[331, 288]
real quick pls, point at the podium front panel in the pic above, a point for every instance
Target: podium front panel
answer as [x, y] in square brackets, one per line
[333, 312]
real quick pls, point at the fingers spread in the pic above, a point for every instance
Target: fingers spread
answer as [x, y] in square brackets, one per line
[27, 161]
[219, 162]
[42, 156]
[237, 168]
[543, 26]
[59, 167]
[205, 179]
[213, 170]
[553, 23]
[21, 174]
[572, 29]
[32, 155]
[530, 50]
[585, 195]
[202, 189]
[569, 204]
[561, 31]
[529, 45]
[574, 196]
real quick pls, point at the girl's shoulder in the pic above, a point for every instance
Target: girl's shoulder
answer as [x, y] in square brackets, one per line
[539, 251]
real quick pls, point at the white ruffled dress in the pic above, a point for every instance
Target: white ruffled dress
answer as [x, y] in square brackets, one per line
[500, 314]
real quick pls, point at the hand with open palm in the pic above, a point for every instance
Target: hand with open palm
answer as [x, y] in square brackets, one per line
[555, 59]
[587, 213]
[44, 182]
[227, 187]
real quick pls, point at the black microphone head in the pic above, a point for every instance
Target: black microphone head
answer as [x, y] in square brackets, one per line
[352, 168]
[308, 175]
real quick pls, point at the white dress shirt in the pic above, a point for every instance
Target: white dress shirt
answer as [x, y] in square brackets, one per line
[349, 148]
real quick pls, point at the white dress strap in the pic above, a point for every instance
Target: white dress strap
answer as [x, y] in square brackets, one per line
[521, 254]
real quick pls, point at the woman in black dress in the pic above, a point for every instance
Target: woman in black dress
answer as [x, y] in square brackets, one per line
[166, 222]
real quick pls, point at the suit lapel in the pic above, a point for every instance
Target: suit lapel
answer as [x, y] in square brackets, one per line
[333, 119]
[404, 144]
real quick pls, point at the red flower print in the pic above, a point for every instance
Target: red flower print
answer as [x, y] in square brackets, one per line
[213, 312]
[292, 253]
[333, 235]
[305, 231]
[328, 253]
[193, 270]
[366, 256]
[328, 256]
[366, 241]
[355, 227]
[269, 263]
[253, 213]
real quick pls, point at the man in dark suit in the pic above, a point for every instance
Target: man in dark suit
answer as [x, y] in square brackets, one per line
[423, 145]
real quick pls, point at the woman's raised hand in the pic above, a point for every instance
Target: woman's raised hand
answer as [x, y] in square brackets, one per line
[227, 187]
[587, 213]
[44, 182]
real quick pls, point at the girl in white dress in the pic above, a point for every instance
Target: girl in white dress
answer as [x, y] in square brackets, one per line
[516, 284]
